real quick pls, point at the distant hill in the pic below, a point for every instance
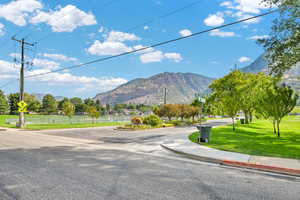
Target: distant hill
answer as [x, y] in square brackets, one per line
[40, 96]
[261, 65]
[181, 88]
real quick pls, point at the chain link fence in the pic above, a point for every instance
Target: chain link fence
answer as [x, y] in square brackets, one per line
[59, 119]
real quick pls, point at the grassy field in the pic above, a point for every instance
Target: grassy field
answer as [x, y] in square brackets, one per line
[50, 118]
[296, 109]
[258, 139]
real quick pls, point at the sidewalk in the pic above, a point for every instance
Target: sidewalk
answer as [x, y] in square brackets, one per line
[182, 145]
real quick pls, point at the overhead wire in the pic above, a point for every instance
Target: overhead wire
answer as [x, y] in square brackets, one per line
[152, 46]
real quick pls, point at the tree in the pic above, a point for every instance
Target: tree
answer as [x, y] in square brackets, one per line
[49, 104]
[194, 111]
[34, 106]
[89, 102]
[3, 103]
[226, 96]
[68, 109]
[13, 100]
[277, 102]
[80, 107]
[93, 113]
[169, 111]
[283, 50]
[60, 104]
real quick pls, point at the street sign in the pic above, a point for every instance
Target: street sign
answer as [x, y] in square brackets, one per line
[22, 106]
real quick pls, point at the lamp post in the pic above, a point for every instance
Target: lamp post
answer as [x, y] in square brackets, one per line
[202, 102]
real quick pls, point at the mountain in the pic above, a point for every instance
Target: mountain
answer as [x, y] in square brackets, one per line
[181, 88]
[290, 77]
[40, 96]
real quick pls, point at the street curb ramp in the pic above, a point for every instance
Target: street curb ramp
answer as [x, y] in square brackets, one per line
[245, 165]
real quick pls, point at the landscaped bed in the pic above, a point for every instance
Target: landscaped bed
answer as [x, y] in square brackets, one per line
[258, 138]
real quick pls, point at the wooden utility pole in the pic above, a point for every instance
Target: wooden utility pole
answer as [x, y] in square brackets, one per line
[165, 97]
[21, 114]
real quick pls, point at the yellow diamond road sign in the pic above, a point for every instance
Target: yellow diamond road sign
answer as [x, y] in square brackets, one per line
[22, 106]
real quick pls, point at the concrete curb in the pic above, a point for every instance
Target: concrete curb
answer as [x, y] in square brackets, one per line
[266, 168]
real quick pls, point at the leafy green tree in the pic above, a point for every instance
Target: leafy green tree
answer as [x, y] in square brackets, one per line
[34, 106]
[93, 113]
[3, 103]
[80, 107]
[60, 104]
[283, 50]
[68, 109]
[226, 95]
[13, 100]
[49, 104]
[89, 102]
[277, 102]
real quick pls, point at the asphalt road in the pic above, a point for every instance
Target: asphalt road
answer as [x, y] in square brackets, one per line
[100, 163]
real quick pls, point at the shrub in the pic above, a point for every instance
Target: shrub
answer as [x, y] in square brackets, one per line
[137, 120]
[152, 120]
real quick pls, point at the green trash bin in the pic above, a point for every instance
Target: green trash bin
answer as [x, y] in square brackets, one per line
[242, 121]
[205, 132]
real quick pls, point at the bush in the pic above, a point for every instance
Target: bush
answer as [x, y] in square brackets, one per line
[137, 120]
[152, 120]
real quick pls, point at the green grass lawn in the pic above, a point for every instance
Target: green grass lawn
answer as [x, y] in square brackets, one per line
[296, 109]
[3, 123]
[258, 138]
[62, 126]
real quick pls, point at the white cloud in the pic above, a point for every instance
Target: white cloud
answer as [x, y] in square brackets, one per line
[257, 37]
[250, 6]
[83, 83]
[101, 29]
[117, 36]
[227, 4]
[244, 59]
[219, 33]
[108, 48]
[214, 20]
[176, 57]
[155, 56]
[137, 47]
[58, 57]
[241, 16]
[7, 67]
[18, 11]
[45, 64]
[146, 27]
[185, 32]
[66, 19]
[2, 32]
[158, 56]
[245, 6]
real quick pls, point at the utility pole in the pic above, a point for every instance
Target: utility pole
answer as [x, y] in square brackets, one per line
[165, 97]
[23, 43]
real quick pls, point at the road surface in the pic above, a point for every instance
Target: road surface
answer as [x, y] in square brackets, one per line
[102, 163]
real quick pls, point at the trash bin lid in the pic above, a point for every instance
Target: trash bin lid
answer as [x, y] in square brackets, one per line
[204, 126]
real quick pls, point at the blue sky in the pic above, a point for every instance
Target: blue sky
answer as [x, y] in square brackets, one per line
[70, 32]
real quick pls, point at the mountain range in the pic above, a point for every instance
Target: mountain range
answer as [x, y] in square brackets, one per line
[180, 87]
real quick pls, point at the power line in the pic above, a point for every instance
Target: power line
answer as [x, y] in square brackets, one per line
[164, 15]
[151, 46]
[154, 45]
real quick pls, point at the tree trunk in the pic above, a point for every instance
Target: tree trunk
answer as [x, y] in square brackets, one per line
[278, 128]
[274, 127]
[251, 116]
[233, 124]
[246, 117]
